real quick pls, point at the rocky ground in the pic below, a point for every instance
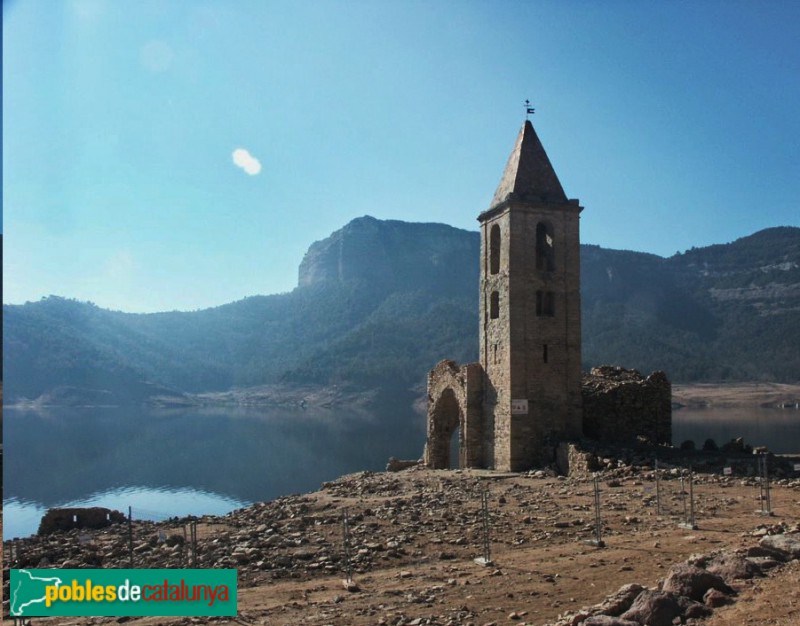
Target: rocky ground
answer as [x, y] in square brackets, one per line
[415, 533]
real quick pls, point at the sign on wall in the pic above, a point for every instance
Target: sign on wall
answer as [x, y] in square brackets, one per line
[519, 407]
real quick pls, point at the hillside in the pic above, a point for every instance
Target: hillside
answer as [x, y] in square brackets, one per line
[380, 302]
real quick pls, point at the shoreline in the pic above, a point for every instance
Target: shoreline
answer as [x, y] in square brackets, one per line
[295, 396]
[416, 532]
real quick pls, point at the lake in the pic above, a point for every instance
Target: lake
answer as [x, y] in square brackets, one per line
[166, 463]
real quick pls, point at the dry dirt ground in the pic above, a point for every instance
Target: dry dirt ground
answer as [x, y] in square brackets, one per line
[414, 535]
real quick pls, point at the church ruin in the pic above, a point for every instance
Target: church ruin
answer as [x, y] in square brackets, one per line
[526, 394]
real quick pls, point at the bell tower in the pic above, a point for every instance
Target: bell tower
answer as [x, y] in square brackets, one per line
[530, 326]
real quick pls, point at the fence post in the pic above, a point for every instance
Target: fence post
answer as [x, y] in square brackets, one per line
[348, 582]
[130, 537]
[598, 522]
[193, 537]
[658, 490]
[688, 518]
[763, 481]
[486, 559]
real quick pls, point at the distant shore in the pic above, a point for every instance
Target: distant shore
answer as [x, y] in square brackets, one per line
[693, 395]
[730, 395]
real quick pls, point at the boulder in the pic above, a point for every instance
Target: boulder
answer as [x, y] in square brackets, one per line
[715, 599]
[619, 602]
[732, 566]
[660, 608]
[785, 543]
[693, 582]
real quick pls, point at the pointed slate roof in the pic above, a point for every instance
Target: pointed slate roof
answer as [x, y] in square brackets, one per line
[529, 176]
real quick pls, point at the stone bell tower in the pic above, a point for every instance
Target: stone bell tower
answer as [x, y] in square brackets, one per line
[530, 312]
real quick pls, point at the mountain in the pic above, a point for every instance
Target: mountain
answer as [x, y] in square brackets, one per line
[378, 303]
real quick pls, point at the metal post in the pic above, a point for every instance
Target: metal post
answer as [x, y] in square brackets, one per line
[691, 498]
[763, 482]
[487, 554]
[486, 559]
[130, 537]
[658, 490]
[193, 537]
[688, 517]
[346, 537]
[598, 522]
[766, 486]
[683, 497]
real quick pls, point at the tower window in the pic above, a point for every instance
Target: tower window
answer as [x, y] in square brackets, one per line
[544, 353]
[494, 249]
[545, 304]
[494, 305]
[545, 250]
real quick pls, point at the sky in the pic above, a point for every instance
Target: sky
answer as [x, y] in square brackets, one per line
[179, 155]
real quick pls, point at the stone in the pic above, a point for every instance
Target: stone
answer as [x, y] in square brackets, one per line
[693, 582]
[731, 566]
[660, 608]
[397, 465]
[619, 602]
[715, 599]
[655, 608]
[620, 405]
[79, 517]
[607, 620]
[572, 461]
[785, 543]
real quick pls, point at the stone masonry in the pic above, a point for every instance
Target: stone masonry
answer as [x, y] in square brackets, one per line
[525, 395]
[620, 405]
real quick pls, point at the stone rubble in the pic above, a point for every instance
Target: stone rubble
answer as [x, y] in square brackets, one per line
[414, 520]
[691, 589]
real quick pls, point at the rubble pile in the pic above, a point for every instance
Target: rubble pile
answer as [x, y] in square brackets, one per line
[692, 588]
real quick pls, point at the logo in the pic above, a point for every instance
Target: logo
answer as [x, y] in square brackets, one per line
[122, 592]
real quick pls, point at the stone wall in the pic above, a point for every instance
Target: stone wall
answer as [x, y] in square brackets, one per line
[66, 519]
[571, 460]
[620, 405]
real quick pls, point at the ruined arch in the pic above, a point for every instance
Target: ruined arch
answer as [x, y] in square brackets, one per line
[454, 402]
[446, 417]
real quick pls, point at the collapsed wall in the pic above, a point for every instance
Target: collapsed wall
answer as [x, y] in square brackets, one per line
[621, 406]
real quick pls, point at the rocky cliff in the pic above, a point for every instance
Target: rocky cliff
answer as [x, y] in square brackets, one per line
[394, 255]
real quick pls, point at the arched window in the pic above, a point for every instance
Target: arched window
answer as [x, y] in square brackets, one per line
[494, 249]
[545, 250]
[494, 305]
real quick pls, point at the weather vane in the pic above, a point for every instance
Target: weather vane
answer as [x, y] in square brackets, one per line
[528, 109]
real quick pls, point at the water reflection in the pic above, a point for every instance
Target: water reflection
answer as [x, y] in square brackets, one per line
[219, 458]
[212, 461]
[22, 518]
[778, 429]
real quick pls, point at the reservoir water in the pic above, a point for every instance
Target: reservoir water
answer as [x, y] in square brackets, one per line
[167, 463]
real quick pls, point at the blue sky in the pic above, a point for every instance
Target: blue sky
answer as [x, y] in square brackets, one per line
[677, 124]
